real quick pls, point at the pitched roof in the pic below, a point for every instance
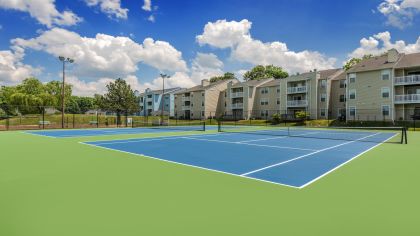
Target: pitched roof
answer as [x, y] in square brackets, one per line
[169, 90]
[409, 60]
[275, 82]
[252, 83]
[202, 88]
[374, 63]
[327, 74]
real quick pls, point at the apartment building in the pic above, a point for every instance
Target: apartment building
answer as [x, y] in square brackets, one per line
[241, 100]
[151, 102]
[267, 100]
[385, 87]
[298, 93]
[202, 101]
[336, 89]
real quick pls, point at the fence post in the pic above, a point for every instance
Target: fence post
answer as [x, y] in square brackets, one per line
[97, 119]
[7, 122]
[43, 118]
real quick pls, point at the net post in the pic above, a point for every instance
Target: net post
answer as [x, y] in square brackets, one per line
[204, 126]
[219, 126]
[405, 135]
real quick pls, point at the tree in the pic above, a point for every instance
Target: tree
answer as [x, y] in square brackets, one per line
[354, 61]
[120, 98]
[264, 72]
[226, 76]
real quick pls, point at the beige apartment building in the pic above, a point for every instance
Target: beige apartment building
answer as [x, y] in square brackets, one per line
[337, 95]
[240, 99]
[385, 87]
[200, 102]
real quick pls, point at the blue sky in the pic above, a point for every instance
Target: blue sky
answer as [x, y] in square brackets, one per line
[236, 35]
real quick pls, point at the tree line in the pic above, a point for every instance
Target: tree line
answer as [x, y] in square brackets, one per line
[34, 97]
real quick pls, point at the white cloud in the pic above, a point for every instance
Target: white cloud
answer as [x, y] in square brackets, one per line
[44, 11]
[147, 6]
[380, 43]
[12, 69]
[112, 8]
[236, 36]
[105, 55]
[399, 13]
[151, 18]
[224, 34]
[204, 66]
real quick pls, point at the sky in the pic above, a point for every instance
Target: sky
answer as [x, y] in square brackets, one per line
[191, 40]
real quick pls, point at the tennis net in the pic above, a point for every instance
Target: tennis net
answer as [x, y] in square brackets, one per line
[181, 126]
[362, 134]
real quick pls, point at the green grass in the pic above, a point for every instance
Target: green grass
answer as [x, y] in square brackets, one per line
[51, 187]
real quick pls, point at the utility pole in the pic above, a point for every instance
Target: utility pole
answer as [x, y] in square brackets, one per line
[64, 60]
[163, 76]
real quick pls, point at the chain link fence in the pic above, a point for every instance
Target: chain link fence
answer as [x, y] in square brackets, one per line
[24, 118]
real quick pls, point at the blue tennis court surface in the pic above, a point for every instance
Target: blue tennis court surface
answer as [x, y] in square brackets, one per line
[112, 131]
[292, 161]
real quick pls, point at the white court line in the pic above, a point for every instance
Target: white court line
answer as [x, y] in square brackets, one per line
[249, 144]
[198, 167]
[342, 164]
[146, 139]
[306, 155]
[286, 136]
[34, 133]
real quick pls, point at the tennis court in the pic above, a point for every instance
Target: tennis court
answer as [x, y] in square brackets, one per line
[291, 157]
[180, 127]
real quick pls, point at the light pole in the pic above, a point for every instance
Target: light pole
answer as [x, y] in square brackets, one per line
[163, 76]
[64, 60]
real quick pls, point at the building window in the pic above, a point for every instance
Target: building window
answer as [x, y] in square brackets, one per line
[352, 78]
[202, 113]
[225, 104]
[385, 92]
[278, 90]
[342, 83]
[264, 90]
[264, 101]
[323, 97]
[278, 101]
[323, 112]
[202, 104]
[352, 94]
[385, 110]
[323, 83]
[202, 94]
[352, 111]
[264, 113]
[342, 98]
[385, 75]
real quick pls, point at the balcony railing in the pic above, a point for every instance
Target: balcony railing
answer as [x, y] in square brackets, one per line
[409, 79]
[297, 103]
[186, 107]
[299, 89]
[237, 94]
[237, 106]
[407, 98]
[186, 99]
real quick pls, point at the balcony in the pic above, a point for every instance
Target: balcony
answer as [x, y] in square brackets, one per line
[186, 107]
[407, 80]
[237, 95]
[186, 99]
[237, 106]
[299, 89]
[297, 103]
[407, 98]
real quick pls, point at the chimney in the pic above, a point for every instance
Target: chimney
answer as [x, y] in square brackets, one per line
[205, 82]
[392, 55]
